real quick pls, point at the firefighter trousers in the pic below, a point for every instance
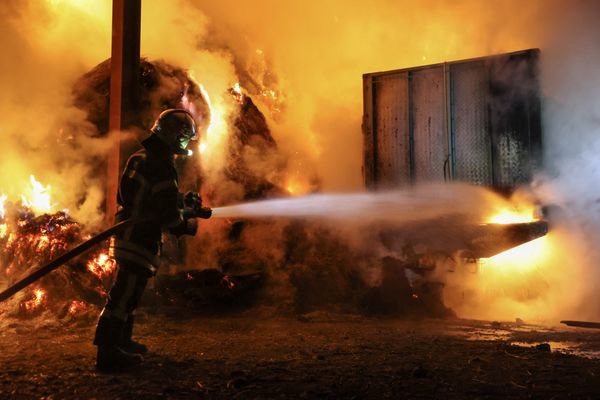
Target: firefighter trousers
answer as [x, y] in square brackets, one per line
[116, 320]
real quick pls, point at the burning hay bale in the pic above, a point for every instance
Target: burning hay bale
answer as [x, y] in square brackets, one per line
[308, 266]
[162, 86]
[28, 242]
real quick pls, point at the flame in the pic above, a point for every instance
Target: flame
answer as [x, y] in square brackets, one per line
[236, 91]
[2, 210]
[518, 259]
[39, 198]
[296, 187]
[512, 215]
[76, 307]
[33, 304]
[202, 147]
[213, 145]
[3, 230]
[523, 257]
[237, 88]
[102, 265]
[296, 183]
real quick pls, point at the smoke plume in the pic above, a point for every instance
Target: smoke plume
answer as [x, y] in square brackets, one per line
[302, 62]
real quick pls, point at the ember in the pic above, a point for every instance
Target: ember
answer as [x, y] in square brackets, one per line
[76, 307]
[101, 265]
[29, 241]
[35, 303]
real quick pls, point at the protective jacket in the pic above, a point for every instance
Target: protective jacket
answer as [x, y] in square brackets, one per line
[148, 189]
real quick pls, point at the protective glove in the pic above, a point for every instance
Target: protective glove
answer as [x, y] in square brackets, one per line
[193, 201]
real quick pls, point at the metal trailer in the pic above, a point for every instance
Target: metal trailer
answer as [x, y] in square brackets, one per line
[475, 120]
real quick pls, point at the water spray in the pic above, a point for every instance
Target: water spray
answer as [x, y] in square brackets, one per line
[420, 203]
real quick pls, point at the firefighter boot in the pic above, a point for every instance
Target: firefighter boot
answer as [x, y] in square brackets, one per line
[129, 345]
[110, 357]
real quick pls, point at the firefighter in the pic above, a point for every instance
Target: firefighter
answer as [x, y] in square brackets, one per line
[148, 192]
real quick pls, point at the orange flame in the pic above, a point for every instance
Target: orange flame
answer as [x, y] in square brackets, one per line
[39, 197]
[513, 214]
[33, 304]
[76, 307]
[2, 210]
[102, 265]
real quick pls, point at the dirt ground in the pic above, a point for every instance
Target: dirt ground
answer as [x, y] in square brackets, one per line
[319, 355]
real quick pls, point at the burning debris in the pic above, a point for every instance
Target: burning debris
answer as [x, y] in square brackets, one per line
[28, 242]
[298, 266]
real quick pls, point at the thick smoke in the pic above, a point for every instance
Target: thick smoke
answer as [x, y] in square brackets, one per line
[42, 134]
[320, 51]
[304, 62]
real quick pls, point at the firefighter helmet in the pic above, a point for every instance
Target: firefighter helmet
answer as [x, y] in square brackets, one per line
[176, 127]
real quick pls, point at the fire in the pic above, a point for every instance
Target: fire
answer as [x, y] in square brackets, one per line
[202, 147]
[215, 124]
[2, 201]
[213, 145]
[39, 298]
[295, 187]
[297, 184]
[525, 257]
[39, 197]
[237, 88]
[512, 215]
[76, 307]
[28, 241]
[102, 265]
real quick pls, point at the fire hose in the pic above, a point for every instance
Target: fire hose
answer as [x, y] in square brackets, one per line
[57, 262]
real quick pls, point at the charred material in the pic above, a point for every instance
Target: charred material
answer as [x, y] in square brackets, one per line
[31, 241]
[209, 290]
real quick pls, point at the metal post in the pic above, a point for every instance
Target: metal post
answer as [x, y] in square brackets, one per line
[124, 87]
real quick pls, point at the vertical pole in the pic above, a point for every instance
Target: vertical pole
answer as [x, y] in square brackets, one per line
[124, 87]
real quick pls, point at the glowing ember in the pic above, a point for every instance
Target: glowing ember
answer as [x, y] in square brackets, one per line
[76, 307]
[28, 241]
[39, 199]
[228, 282]
[102, 265]
[39, 298]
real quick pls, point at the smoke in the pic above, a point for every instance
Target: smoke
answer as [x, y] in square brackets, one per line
[302, 62]
[41, 133]
[320, 50]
